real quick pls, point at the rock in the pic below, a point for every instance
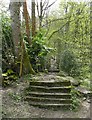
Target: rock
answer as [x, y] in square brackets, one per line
[61, 73]
[88, 101]
[74, 82]
[84, 98]
[84, 91]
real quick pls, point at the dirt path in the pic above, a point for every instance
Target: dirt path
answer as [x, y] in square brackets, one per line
[13, 106]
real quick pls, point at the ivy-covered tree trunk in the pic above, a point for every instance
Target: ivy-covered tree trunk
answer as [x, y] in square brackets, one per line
[15, 23]
[91, 37]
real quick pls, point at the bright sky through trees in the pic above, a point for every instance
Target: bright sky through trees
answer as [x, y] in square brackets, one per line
[5, 3]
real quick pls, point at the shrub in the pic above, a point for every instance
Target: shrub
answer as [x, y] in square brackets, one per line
[7, 44]
[75, 99]
[38, 51]
[69, 63]
[8, 77]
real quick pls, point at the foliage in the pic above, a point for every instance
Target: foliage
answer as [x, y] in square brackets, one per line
[7, 44]
[38, 51]
[70, 29]
[15, 96]
[75, 100]
[8, 77]
[69, 63]
[86, 83]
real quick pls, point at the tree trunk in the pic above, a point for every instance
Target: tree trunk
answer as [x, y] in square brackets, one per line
[40, 17]
[33, 19]
[26, 17]
[15, 23]
[91, 39]
[25, 61]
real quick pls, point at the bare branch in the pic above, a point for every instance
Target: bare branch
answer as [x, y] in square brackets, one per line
[46, 1]
[50, 5]
[62, 27]
[37, 6]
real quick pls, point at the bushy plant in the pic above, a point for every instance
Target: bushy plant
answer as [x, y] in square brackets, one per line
[9, 77]
[75, 99]
[38, 51]
[86, 83]
[69, 63]
[15, 96]
[7, 44]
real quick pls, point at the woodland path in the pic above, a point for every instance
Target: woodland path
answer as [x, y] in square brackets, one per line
[13, 105]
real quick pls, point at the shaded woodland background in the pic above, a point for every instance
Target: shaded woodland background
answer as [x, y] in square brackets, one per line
[29, 43]
[38, 42]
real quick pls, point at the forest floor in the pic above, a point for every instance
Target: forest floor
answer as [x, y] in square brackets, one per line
[13, 105]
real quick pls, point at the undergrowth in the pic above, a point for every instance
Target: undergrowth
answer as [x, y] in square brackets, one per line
[75, 99]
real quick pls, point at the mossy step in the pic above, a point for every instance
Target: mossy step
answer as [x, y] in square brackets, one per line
[44, 105]
[48, 100]
[45, 87]
[51, 83]
[54, 70]
[50, 89]
[50, 95]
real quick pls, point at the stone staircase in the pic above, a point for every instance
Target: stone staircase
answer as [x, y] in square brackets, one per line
[54, 94]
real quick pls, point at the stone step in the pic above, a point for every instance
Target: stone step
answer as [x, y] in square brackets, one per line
[66, 89]
[53, 92]
[45, 105]
[51, 83]
[49, 95]
[48, 100]
[53, 70]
